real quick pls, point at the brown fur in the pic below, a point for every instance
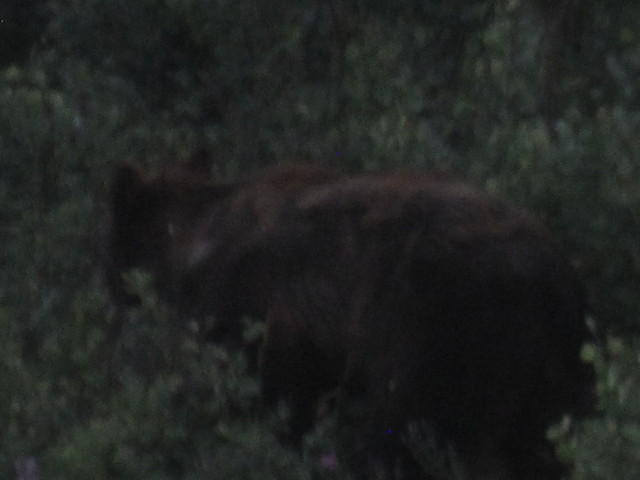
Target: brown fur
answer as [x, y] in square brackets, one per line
[155, 220]
[422, 298]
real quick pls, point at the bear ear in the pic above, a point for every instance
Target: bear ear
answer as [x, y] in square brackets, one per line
[127, 178]
[199, 164]
[128, 185]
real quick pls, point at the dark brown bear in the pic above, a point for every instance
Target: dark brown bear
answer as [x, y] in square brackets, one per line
[155, 220]
[421, 298]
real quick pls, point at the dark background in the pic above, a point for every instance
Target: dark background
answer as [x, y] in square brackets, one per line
[536, 101]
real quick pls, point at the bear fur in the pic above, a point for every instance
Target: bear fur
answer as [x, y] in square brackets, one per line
[155, 220]
[421, 299]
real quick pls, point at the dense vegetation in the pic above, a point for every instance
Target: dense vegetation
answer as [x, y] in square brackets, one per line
[536, 101]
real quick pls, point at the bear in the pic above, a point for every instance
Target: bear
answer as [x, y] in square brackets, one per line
[419, 298]
[155, 219]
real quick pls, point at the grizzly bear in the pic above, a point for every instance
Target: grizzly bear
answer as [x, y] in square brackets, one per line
[154, 220]
[421, 299]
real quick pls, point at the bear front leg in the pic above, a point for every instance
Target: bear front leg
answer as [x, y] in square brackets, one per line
[288, 369]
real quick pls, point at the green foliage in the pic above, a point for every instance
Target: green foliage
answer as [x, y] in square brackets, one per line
[534, 100]
[608, 446]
